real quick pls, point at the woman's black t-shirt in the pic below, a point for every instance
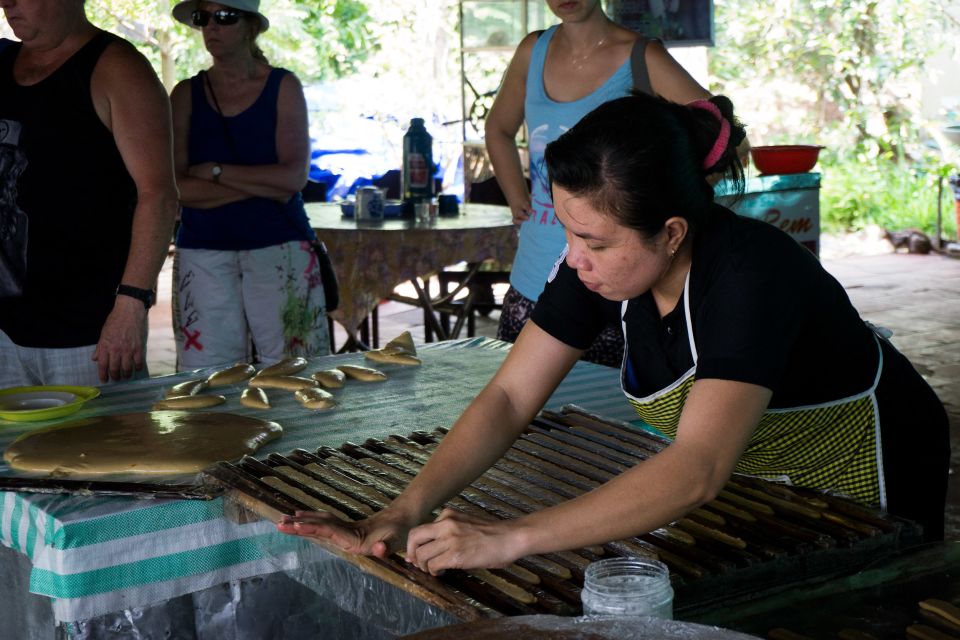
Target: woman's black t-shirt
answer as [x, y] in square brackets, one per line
[764, 311]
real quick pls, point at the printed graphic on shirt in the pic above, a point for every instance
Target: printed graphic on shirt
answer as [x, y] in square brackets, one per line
[542, 202]
[13, 220]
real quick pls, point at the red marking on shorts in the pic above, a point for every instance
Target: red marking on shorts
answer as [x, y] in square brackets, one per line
[191, 339]
[306, 246]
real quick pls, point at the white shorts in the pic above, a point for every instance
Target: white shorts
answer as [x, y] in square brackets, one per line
[223, 300]
[30, 366]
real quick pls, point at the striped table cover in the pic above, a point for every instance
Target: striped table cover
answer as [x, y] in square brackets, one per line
[95, 555]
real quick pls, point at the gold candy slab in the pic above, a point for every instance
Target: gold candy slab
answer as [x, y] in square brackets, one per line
[157, 442]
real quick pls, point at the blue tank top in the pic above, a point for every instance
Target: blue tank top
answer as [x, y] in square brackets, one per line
[541, 236]
[253, 223]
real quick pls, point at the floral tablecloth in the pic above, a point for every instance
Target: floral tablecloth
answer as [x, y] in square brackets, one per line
[371, 259]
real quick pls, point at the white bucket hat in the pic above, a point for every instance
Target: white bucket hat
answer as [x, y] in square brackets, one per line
[184, 10]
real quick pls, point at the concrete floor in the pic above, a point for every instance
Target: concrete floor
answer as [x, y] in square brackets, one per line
[916, 296]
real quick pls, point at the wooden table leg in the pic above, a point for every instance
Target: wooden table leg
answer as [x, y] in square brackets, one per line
[354, 343]
[431, 324]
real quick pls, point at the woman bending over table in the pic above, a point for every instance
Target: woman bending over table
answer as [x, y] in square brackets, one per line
[244, 267]
[740, 347]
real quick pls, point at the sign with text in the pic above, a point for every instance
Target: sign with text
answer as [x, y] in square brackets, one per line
[789, 202]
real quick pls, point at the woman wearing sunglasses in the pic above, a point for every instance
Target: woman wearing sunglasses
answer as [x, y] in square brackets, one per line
[244, 268]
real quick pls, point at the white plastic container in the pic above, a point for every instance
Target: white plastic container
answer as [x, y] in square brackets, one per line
[627, 587]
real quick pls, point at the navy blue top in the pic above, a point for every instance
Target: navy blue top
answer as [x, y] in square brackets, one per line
[253, 223]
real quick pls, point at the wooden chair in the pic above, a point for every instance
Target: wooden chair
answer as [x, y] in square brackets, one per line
[370, 326]
[452, 314]
[481, 284]
[486, 192]
[391, 182]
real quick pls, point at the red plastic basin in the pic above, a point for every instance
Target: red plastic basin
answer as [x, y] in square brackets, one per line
[788, 158]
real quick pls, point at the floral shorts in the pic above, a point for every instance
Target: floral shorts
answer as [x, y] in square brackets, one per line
[228, 303]
[607, 349]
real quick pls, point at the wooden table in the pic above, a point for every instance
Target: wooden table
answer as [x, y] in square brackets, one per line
[372, 258]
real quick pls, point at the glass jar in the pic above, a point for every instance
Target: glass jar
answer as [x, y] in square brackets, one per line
[627, 587]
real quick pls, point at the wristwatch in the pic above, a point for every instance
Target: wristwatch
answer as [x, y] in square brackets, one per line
[147, 296]
[216, 170]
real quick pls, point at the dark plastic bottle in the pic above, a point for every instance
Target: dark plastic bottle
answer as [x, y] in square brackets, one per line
[417, 163]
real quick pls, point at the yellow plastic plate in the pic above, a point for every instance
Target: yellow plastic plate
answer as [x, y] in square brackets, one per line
[27, 404]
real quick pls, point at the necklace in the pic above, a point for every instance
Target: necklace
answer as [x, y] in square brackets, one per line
[578, 61]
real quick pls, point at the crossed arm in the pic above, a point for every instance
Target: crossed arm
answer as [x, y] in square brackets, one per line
[238, 182]
[715, 426]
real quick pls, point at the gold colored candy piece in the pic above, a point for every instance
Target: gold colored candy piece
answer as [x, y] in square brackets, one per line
[232, 375]
[315, 398]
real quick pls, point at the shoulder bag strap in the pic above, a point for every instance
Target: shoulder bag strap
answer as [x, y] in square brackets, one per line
[221, 118]
[638, 66]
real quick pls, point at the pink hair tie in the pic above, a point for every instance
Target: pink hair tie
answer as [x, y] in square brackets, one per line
[722, 139]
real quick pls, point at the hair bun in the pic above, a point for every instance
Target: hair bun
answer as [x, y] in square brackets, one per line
[737, 131]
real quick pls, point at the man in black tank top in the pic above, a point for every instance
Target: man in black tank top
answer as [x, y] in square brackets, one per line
[87, 198]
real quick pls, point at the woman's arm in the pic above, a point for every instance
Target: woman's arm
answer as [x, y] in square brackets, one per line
[716, 424]
[668, 78]
[282, 180]
[489, 426]
[532, 370]
[501, 127]
[198, 192]
[674, 83]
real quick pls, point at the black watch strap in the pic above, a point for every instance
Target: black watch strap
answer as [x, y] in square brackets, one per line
[147, 296]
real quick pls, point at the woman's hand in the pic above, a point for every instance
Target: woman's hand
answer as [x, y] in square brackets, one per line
[379, 535]
[458, 541]
[521, 211]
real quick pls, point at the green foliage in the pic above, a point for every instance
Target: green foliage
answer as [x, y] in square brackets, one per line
[316, 39]
[845, 74]
[850, 62]
[861, 190]
[319, 40]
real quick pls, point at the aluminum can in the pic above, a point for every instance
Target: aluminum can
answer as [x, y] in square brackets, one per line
[369, 205]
